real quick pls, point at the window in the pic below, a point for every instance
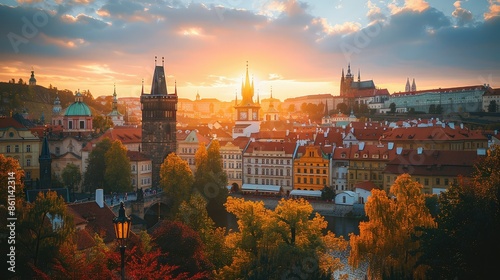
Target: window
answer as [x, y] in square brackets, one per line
[8, 149]
[317, 181]
[133, 168]
[82, 124]
[298, 170]
[438, 181]
[70, 124]
[426, 181]
[446, 181]
[28, 175]
[256, 181]
[256, 171]
[249, 171]
[16, 149]
[28, 162]
[351, 176]
[298, 180]
[28, 148]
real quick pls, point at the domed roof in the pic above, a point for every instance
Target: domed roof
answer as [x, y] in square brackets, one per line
[78, 109]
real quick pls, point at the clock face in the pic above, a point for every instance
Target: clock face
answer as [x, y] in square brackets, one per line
[243, 115]
[254, 115]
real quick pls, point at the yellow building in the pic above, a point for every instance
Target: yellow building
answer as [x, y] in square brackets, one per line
[367, 163]
[18, 142]
[312, 169]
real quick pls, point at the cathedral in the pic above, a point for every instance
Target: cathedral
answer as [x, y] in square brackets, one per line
[351, 89]
[159, 111]
[247, 111]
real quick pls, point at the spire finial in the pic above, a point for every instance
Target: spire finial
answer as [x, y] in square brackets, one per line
[155, 60]
[175, 82]
[162, 61]
[142, 90]
[271, 92]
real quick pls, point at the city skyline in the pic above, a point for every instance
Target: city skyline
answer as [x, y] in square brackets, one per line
[297, 48]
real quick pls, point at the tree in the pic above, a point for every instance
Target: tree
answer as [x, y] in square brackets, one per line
[285, 243]
[327, 193]
[492, 107]
[343, 108]
[186, 251]
[194, 214]
[389, 239]
[392, 108]
[101, 124]
[44, 226]
[432, 109]
[462, 245]
[176, 179]
[10, 171]
[210, 177]
[96, 167]
[117, 174]
[439, 109]
[72, 177]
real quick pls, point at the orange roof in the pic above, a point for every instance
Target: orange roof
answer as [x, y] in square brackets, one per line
[126, 135]
[137, 156]
[331, 138]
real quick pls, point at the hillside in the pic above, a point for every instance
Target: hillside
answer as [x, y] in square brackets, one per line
[16, 98]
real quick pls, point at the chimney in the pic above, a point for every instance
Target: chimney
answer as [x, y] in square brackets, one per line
[99, 197]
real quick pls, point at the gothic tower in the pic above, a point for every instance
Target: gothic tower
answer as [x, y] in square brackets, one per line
[247, 111]
[413, 85]
[159, 111]
[407, 87]
[45, 161]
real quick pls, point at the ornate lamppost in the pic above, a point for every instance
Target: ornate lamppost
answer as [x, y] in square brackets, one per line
[122, 229]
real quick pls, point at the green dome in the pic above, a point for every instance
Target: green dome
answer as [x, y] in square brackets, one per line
[78, 109]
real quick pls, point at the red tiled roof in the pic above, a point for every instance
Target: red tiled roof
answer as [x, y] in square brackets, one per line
[289, 148]
[126, 135]
[10, 122]
[331, 138]
[99, 220]
[432, 133]
[366, 185]
[137, 156]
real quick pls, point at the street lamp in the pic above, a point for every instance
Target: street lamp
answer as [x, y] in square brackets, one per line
[122, 230]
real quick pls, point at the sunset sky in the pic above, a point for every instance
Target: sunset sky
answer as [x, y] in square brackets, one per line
[295, 47]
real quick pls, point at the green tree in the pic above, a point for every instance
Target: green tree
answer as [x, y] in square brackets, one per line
[492, 107]
[72, 177]
[439, 109]
[194, 214]
[327, 193]
[389, 239]
[343, 108]
[392, 108]
[96, 167]
[465, 242]
[44, 226]
[210, 178]
[176, 179]
[101, 124]
[432, 109]
[285, 243]
[117, 174]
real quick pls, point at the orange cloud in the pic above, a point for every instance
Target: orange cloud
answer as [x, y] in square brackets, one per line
[494, 10]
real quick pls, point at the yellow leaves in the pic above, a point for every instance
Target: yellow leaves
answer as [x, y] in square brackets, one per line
[386, 239]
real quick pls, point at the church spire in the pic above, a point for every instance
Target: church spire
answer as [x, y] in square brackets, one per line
[271, 92]
[115, 100]
[413, 86]
[142, 90]
[407, 87]
[326, 108]
[359, 75]
[175, 91]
